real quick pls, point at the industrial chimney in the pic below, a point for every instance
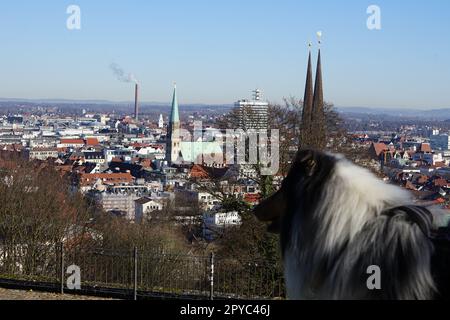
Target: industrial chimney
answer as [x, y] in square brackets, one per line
[136, 103]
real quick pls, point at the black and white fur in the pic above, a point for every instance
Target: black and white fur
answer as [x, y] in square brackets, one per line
[330, 214]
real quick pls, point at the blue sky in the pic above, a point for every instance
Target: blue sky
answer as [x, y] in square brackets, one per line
[219, 50]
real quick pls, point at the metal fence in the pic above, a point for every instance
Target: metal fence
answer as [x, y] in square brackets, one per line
[137, 273]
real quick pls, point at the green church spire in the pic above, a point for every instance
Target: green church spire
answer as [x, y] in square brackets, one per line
[175, 115]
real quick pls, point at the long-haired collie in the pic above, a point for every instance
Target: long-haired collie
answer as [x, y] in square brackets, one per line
[339, 225]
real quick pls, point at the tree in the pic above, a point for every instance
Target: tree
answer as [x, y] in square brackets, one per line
[38, 211]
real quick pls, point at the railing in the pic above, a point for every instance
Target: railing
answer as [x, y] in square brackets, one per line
[137, 273]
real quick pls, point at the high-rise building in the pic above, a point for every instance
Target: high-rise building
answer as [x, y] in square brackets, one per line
[253, 113]
[173, 147]
[161, 121]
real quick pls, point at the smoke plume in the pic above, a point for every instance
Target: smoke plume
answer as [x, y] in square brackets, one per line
[122, 75]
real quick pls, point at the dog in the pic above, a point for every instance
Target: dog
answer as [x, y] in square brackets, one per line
[337, 220]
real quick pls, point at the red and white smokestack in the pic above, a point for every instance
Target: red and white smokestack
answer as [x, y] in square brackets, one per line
[136, 102]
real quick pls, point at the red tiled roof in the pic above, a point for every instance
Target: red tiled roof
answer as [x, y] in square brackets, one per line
[146, 163]
[198, 172]
[380, 148]
[72, 141]
[440, 183]
[137, 145]
[422, 180]
[202, 172]
[114, 178]
[92, 142]
[425, 147]
[128, 120]
[410, 186]
[252, 198]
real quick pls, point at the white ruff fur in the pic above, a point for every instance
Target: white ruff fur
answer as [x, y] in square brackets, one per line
[352, 197]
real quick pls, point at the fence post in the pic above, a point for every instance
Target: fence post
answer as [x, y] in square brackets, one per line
[211, 277]
[135, 273]
[61, 250]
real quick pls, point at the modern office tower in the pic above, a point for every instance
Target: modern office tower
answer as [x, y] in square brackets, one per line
[253, 113]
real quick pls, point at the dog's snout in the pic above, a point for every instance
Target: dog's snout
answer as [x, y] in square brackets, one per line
[271, 209]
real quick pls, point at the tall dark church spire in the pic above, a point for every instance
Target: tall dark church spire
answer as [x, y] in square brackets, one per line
[318, 89]
[313, 129]
[307, 104]
[318, 112]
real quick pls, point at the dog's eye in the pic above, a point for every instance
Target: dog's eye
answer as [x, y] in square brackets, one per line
[310, 167]
[310, 163]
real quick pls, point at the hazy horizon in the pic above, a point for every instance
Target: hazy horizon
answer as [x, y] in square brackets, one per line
[168, 103]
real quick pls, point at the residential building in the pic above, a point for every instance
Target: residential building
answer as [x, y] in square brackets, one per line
[71, 143]
[215, 224]
[144, 207]
[119, 204]
[440, 142]
[94, 157]
[43, 153]
[87, 181]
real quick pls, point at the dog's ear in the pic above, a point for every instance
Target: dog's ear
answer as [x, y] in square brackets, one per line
[307, 161]
[305, 155]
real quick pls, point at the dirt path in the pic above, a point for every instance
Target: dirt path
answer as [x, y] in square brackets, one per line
[6, 294]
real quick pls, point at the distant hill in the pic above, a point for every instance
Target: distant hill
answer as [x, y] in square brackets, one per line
[104, 106]
[106, 102]
[434, 114]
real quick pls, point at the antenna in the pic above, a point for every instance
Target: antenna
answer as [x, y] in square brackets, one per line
[257, 94]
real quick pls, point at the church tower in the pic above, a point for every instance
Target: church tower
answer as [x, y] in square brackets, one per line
[173, 148]
[313, 129]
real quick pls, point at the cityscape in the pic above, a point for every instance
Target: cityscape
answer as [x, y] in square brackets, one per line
[120, 196]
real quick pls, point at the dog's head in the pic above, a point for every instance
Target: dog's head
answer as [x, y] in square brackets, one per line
[302, 187]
